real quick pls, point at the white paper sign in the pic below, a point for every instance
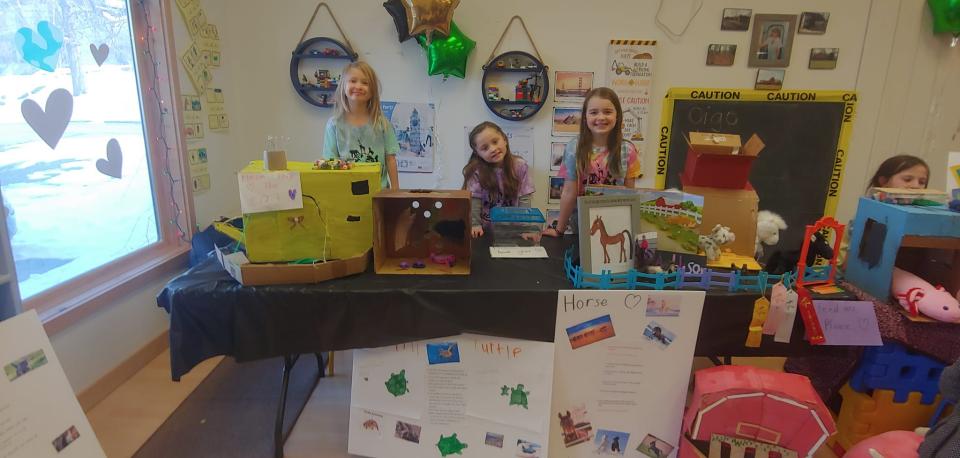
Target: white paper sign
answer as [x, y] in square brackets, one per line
[269, 191]
[621, 371]
[520, 252]
[492, 393]
[39, 414]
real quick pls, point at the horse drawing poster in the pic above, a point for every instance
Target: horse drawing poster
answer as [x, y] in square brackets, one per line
[608, 229]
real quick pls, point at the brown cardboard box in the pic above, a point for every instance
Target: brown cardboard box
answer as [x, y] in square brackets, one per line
[249, 274]
[405, 233]
[736, 208]
[714, 143]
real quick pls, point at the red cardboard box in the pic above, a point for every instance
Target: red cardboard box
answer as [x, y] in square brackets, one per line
[719, 161]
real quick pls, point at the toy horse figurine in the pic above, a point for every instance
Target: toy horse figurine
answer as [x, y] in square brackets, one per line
[623, 238]
[917, 296]
[781, 262]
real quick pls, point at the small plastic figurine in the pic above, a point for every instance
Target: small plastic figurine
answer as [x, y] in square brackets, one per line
[446, 259]
[419, 264]
[501, 64]
[404, 265]
[493, 93]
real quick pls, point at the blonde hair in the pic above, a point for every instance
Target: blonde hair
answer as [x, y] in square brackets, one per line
[342, 105]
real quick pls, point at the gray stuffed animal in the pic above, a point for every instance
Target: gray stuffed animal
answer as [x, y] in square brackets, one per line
[943, 440]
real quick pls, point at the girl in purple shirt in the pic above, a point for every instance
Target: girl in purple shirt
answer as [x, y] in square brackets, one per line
[494, 176]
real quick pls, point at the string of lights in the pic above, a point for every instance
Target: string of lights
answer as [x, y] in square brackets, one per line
[148, 41]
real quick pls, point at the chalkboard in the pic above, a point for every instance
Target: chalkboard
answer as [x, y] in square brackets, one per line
[799, 173]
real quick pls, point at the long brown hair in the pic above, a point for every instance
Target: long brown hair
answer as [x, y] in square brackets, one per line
[342, 105]
[614, 140]
[895, 165]
[486, 172]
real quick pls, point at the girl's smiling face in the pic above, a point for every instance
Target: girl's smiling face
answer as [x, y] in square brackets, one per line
[490, 146]
[601, 116]
[357, 86]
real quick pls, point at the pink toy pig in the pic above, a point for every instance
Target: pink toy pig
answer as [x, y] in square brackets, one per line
[918, 296]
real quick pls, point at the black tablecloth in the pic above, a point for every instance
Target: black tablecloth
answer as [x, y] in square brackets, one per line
[211, 314]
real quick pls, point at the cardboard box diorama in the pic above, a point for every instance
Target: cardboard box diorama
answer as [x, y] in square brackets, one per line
[719, 160]
[740, 407]
[670, 223]
[421, 232]
[735, 208]
[335, 220]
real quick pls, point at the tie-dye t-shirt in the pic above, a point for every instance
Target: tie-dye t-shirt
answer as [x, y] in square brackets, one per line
[521, 171]
[599, 171]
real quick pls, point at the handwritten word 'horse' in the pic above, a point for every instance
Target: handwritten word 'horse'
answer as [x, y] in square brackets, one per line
[623, 238]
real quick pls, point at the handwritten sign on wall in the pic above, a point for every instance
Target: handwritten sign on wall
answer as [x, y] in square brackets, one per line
[270, 191]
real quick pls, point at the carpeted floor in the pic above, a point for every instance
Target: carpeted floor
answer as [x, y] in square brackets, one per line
[232, 412]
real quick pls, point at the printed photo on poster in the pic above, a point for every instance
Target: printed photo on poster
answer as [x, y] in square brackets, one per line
[493, 440]
[443, 353]
[414, 124]
[658, 334]
[736, 19]
[721, 55]
[575, 426]
[769, 79]
[772, 40]
[814, 22]
[571, 87]
[566, 121]
[590, 331]
[654, 447]
[407, 431]
[556, 155]
[63, 440]
[823, 58]
[18, 368]
[611, 442]
[556, 190]
[527, 449]
[658, 305]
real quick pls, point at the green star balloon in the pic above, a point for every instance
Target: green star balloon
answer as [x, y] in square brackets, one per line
[946, 15]
[447, 55]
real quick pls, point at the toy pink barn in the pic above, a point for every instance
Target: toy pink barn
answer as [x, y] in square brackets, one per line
[756, 404]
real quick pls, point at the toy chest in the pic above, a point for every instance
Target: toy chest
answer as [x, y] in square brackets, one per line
[719, 161]
[336, 221]
[516, 226]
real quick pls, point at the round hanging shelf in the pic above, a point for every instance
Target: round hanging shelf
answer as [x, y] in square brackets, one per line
[530, 87]
[311, 72]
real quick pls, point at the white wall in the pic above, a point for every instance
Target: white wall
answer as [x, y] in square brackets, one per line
[905, 76]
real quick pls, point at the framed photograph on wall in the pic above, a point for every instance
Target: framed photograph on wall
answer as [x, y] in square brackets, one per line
[556, 155]
[823, 58]
[736, 19]
[556, 189]
[608, 226]
[571, 87]
[769, 79]
[566, 121]
[814, 23]
[722, 55]
[772, 40]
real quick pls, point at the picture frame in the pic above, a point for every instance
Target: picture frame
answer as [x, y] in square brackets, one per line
[556, 155]
[721, 55]
[772, 40]
[572, 87]
[554, 189]
[566, 121]
[736, 19]
[823, 58]
[608, 227]
[769, 79]
[814, 22]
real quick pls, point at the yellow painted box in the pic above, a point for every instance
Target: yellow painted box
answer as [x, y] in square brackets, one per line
[336, 221]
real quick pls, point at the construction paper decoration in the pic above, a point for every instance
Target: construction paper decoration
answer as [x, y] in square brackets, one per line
[946, 15]
[426, 16]
[399, 15]
[99, 53]
[113, 164]
[43, 57]
[49, 122]
[447, 56]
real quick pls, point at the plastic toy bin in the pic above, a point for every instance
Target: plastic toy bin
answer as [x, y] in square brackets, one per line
[516, 226]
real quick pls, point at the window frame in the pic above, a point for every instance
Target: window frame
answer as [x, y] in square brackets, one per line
[81, 296]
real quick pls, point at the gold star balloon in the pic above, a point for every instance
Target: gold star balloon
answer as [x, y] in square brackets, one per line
[426, 16]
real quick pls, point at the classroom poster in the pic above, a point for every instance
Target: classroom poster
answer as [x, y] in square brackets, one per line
[466, 396]
[39, 414]
[414, 124]
[621, 370]
[953, 173]
[521, 142]
[630, 74]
